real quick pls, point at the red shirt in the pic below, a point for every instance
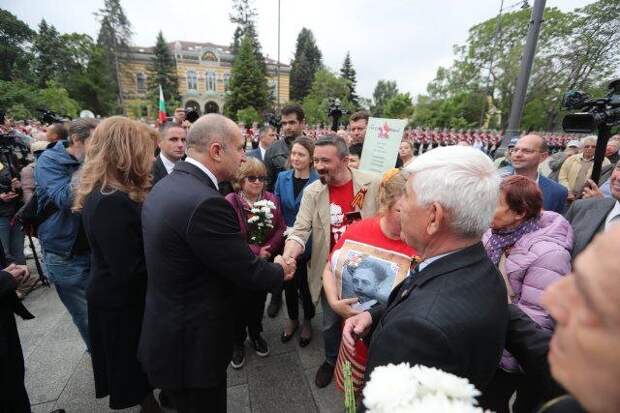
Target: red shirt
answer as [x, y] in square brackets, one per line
[340, 200]
[369, 232]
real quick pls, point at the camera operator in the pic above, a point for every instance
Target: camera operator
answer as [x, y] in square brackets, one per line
[11, 236]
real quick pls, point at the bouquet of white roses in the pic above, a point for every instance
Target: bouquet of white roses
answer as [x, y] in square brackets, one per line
[401, 388]
[260, 221]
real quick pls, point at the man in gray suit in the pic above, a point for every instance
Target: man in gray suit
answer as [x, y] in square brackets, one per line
[590, 216]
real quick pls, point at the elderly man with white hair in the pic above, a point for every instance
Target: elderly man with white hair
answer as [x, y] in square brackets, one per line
[576, 169]
[451, 312]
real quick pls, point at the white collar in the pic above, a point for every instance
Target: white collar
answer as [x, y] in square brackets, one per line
[615, 211]
[203, 169]
[429, 261]
[168, 164]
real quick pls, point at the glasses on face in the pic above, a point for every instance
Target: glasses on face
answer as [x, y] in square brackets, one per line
[589, 147]
[256, 178]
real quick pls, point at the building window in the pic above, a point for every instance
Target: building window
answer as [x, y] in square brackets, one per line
[226, 81]
[273, 85]
[140, 82]
[210, 79]
[192, 80]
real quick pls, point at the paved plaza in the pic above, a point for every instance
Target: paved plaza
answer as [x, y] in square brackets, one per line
[59, 372]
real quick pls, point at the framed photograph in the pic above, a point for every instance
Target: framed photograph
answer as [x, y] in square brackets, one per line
[368, 273]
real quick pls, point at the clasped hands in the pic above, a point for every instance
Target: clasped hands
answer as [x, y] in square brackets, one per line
[288, 265]
[20, 273]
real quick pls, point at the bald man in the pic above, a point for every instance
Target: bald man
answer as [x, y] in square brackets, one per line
[583, 352]
[528, 153]
[195, 257]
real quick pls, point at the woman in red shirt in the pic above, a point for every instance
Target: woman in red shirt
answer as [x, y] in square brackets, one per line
[379, 233]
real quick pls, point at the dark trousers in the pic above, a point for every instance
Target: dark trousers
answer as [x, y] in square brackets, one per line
[297, 287]
[249, 308]
[212, 399]
[496, 396]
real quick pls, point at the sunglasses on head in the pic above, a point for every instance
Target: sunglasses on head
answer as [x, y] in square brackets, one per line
[256, 178]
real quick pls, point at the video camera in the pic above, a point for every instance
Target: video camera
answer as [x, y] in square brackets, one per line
[274, 120]
[335, 111]
[48, 117]
[191, 115]
[603, 111]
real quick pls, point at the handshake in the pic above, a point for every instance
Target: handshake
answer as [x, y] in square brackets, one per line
[288, 265]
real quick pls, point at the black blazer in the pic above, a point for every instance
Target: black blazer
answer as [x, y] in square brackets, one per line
[159, 170]
[587, 217]
[117, 268]
[195, 255]
[454, 317]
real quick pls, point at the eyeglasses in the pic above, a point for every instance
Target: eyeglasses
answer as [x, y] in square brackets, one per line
[589, 146]
[256, 178]
[523, 150]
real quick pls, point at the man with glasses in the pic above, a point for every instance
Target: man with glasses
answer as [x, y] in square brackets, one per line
[577, 169]
[526, 156]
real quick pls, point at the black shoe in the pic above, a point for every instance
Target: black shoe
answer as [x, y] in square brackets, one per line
[238, 357]
[274, 305]
[164, 400]
[304, 341]
[324, 375]
[260, 346]
[285, 338]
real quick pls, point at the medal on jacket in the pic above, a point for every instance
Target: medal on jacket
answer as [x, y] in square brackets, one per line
[358, 199]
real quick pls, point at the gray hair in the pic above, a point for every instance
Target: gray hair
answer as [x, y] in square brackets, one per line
[81, 129]
[334, 140]
[210, 128]
[589, 138]
[461, 179]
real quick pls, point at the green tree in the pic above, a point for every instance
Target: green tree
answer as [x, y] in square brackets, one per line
[163, 71]
[248, 84]
[244, 16]
[248, 116]
[348, 72]
[48, 54]
[22, 99]
[114, 38]
[326, 85]
[384, 90]
[14, 36]
[398, 106]
[307, 61]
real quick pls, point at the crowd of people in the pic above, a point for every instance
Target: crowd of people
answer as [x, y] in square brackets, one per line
[165, 244]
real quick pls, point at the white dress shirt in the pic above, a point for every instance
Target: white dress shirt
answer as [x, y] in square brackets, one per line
[615, 211]
[203, 169]
[168, 164]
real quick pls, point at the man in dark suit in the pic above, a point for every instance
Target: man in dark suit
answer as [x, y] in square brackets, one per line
[526, 156]
[195, 257]
[267, 135]
[172, 149]
[451, 312]
[590, 216]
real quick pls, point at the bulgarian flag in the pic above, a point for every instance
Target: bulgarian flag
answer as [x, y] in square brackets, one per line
[162, 106]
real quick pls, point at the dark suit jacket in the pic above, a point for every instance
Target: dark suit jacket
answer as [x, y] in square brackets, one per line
[255, 153]
[454, 317]
[554, 195]
[195, 256]
[159, 170]
[587, 217]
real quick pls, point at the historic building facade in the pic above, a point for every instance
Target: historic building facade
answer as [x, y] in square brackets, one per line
[203, 72]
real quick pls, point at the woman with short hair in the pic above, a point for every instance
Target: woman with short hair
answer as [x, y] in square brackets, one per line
[250, 184]
[115, 180]
[531, 249]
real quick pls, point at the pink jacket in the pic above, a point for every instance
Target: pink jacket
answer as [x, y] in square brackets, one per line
[275, 238]
[533, 263]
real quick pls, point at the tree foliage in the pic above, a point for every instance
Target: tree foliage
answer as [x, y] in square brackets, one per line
[576, 50]
[163, 71]
[244, 16]
[348, 72]
[22, 100]
[384, 91]
[114, 38]
[248, 84]
[398, 106]
[14, 36]
[307, 61]
[326, 85]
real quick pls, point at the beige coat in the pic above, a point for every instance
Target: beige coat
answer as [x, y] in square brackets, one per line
[314, 219]
[570, 169]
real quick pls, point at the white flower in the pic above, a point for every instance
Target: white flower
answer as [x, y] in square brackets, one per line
[260, 225]
[401, 388]
[253, 219]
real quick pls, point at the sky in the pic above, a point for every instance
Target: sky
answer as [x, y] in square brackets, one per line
[401, 40]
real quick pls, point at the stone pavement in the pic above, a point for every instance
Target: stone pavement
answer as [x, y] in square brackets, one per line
[59, 372]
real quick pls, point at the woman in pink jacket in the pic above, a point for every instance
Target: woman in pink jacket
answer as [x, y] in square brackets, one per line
[531, 249]
[265, 243]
